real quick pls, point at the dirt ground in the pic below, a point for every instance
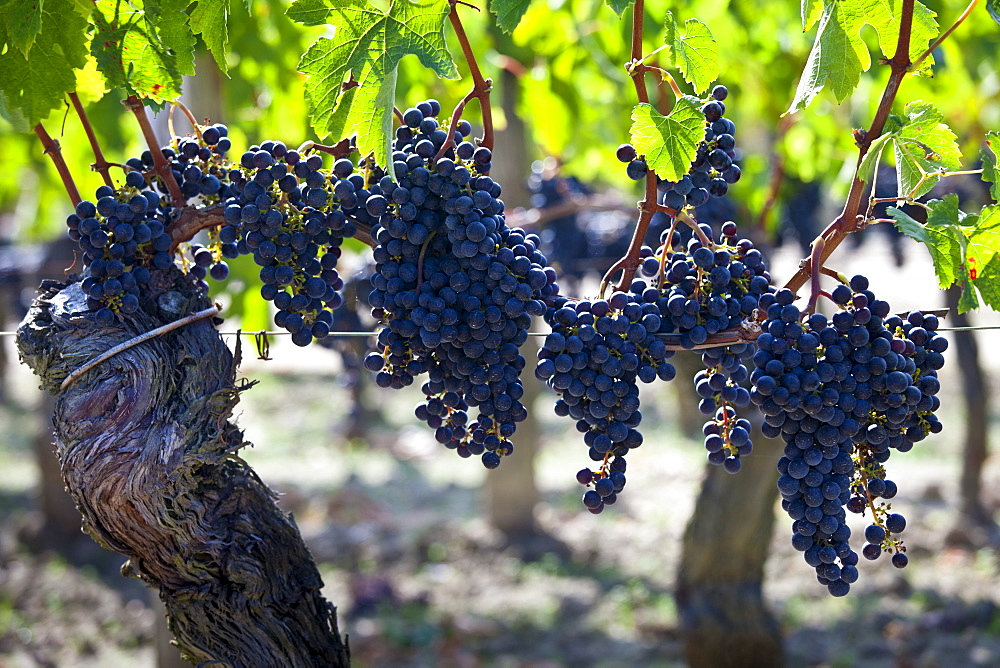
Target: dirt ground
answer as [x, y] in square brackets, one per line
[420, 579]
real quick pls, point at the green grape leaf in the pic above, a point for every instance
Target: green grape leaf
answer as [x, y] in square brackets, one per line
[619, 6]
[943, 241]
[696, 54]
[310, 12]
[210, 19]
[670, 36]
[812, 10]
[24, 21]
[968, 301]
[990, 172]
[993, 7]
[988, 283]
[169, 20]
[670, 143]
[965, 248]
[352, 76]
[924, 146]
[509, 13]
[32, 86]
[147, 52]
[872, 157]
[982, 247]
[839, 54]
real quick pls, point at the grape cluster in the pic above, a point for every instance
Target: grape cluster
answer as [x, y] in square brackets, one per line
[713, 169]
[284, 211]
[704, 290]
[727, 436]
[123, 234]
[454, 288]
[707, 289]
[842, 393]
[593, 358]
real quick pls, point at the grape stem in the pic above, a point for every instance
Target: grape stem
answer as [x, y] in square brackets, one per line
[628, 264]
[54, 151]
[648, 206]
[638, 73]
[160, 165]
[817, 270]
[920, 59]
[455, 115]
[420, 260]
[667, 250]
[481, 86]
[177, 104]
[191, 221]
[341, 149]
[693, 224]
[847, 221]
[100, 165]
[886, 200]
[833, 273]
[664, 76]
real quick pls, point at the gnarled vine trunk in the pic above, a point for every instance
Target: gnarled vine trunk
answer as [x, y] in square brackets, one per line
[149, 456]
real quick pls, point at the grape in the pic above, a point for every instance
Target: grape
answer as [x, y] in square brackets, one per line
[636, 170]
[626, 153]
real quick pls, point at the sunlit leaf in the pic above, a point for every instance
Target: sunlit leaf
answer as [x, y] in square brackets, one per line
[31, 87]
[990, 172]
[352, 76]
[839, 54]
[696, 55]
[210, 19]
[24, 21]
[872, 157]
[965, 248]
[670, 143]
[993, 7]
[619, 6]
[924, 147]
[147, 52]
[942, 238]
[509, 12]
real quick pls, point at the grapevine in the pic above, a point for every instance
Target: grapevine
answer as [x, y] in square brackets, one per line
[455, 289]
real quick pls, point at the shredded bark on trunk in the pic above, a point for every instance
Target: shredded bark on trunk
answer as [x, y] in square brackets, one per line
[148, 454]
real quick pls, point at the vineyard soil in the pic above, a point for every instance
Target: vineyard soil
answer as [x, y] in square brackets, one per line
[421, 580]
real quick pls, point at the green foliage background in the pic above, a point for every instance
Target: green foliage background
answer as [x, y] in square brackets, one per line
[568, 56]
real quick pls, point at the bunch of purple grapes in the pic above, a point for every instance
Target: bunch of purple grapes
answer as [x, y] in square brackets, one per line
[594, 357]
[843, 393]
[123, 234]
[454, 288]
[714, 168]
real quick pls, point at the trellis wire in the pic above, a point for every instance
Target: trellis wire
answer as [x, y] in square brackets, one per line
[350, 334]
